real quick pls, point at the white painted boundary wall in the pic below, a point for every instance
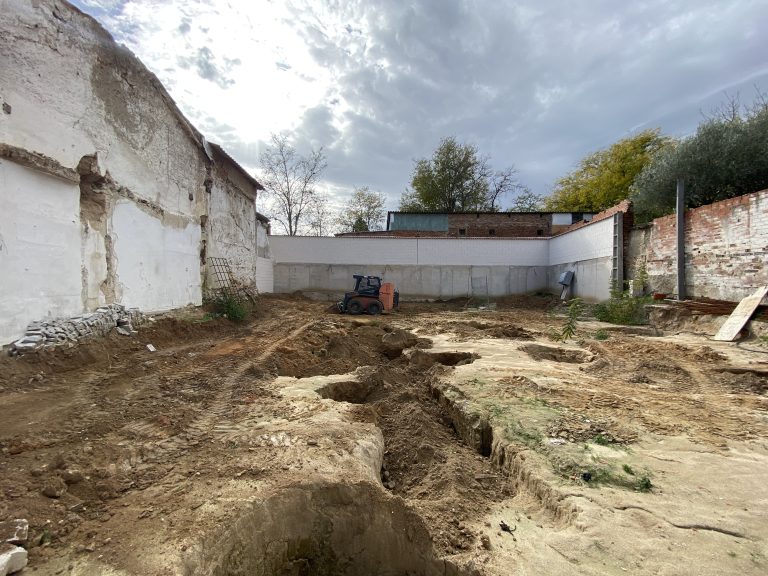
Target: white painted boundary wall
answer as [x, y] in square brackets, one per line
[588, 253]
[448, 267]
[410, 251]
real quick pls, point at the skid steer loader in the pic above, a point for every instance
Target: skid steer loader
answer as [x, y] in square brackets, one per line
[369, 296]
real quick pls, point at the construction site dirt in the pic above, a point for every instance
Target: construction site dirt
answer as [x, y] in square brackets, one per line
[433, 440]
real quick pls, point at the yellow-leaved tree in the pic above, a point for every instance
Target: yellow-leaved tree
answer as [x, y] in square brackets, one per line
[603, 178]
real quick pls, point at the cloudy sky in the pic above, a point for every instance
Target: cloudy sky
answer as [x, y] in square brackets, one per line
[535, 84]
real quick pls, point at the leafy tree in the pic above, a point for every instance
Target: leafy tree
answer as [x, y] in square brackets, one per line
[527, 201]
[603, 178]
[457, 179]
[364, 212]
[727, 157]
[289, 181]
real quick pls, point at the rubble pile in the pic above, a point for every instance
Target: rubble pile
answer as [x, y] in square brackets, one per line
[46, 333]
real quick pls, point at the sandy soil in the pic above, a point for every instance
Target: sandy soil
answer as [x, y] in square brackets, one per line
[635, 453]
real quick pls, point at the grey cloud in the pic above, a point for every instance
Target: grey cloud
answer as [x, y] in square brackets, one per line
[185, 26]
[534, 84]
[208, 68]
[537, 85]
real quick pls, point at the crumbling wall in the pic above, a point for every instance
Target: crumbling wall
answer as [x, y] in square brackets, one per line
[231, 225]
[726, 249]
[103, 178]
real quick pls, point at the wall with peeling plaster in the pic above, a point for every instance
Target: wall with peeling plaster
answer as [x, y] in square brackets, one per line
[87, 129]
[231, 225]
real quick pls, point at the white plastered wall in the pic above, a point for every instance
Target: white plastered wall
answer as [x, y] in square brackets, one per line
[158, 266]
[39, 269]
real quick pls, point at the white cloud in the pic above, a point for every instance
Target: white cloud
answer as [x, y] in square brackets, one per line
[537, 84]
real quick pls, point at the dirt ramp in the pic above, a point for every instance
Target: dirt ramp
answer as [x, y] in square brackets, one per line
[325, 530]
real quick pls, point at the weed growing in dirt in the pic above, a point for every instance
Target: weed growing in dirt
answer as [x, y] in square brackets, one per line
[644, 484]
[601, 335]
[628, 469]
[622, 308]
[601, 440]
[575, 308]
[232, 308]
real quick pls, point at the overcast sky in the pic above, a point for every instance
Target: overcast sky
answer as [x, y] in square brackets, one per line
[535, 84]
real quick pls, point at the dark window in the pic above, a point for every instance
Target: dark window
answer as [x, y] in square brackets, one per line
[539, 232]
[462, 232]
[492, 232]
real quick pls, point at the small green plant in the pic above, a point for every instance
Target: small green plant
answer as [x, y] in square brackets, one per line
[644, 483]
[601, 440]
[232, 308]
[601, 335]
[640, 274]
[575, 307]
[628, 469]
[622, 308]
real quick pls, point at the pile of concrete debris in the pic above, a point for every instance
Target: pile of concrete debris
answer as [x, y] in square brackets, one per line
[48, 333]
[13, 535]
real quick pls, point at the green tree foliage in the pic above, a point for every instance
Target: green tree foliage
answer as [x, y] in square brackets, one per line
[364, 212]
[727, 157]
[457, 179]
[603, 178]
[527, 201]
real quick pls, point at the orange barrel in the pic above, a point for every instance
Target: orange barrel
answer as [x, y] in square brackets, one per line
[387, 295]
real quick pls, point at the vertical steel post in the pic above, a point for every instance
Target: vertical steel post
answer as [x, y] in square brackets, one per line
[680, 219]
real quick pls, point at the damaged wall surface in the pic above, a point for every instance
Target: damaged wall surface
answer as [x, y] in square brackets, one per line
[106, 183]
[726, 249]
[234, 230]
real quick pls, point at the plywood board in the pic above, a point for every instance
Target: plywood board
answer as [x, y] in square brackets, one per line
[740, 316]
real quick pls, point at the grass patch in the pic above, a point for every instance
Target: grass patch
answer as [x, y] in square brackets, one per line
[601, 335]
[628, 469]
[516, 432]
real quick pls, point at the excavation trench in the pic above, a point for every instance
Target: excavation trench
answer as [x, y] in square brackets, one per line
[361, 528]
[326, 530]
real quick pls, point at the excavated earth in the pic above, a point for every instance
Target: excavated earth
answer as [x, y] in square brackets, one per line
[433, 441]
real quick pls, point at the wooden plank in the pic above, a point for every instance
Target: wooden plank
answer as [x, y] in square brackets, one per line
[741, 316]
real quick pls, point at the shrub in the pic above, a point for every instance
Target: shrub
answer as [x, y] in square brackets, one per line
[622, 308]
[232, 308]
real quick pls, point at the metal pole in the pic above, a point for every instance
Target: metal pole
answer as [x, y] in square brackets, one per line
[680, 214]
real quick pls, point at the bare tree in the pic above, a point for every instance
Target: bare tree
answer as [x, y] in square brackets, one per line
[500, 184]
[320, 216]
[364, 212]
[289, 181]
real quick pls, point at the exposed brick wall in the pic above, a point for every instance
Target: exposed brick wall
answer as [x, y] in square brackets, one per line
[504, 224]
[726, 249]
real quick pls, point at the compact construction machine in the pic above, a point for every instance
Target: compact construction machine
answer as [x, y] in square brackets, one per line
[370, 295]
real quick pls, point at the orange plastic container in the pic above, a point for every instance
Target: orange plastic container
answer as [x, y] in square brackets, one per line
[387, 295]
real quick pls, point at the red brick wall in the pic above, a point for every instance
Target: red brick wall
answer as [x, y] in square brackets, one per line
[726, 249]
[505, 224]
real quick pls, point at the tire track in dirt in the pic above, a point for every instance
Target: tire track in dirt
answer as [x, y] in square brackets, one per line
[218, 419]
